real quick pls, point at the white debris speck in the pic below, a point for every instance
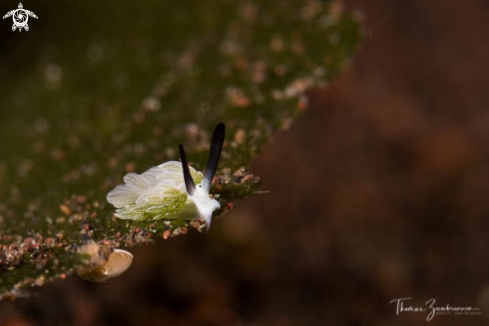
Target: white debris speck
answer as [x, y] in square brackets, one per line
[41, 125]
[95, 52]
[151, 104]
[53, 75]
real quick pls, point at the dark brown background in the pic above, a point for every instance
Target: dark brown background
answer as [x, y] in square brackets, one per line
[380, 190]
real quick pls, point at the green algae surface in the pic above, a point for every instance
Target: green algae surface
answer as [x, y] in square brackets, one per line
[107, 89]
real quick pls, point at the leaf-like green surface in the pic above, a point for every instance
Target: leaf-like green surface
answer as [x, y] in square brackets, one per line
[104, 89]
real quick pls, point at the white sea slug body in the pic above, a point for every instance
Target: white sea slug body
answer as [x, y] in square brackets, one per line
[155, 194]
[169, 191]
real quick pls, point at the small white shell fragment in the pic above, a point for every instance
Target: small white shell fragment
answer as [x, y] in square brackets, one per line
[119, 262]
[100, 269]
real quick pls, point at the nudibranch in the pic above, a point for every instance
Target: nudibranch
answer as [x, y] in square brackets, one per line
[172, 190]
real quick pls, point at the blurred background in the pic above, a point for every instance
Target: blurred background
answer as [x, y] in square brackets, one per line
[378, 191]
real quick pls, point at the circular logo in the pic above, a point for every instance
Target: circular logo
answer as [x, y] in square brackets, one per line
[20, 18]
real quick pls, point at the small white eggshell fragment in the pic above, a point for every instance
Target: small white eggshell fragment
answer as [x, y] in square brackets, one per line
[101, 269]
[119, 261]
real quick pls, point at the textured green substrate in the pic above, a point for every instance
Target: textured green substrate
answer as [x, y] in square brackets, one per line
[118, 92]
